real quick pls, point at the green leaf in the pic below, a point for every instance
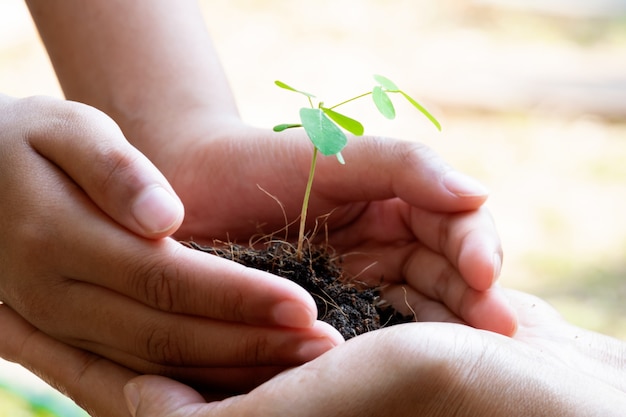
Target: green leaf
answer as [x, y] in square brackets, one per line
[326, 136]
[383, 103]
[285, 126]
[340, 158]
[386, 83]
[351, 125]
[290, 88]
[422, 109]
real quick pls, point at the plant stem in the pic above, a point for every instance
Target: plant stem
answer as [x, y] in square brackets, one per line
[305, 205]
[351, 99]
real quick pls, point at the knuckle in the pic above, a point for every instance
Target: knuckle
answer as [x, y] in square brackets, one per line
[69, 122]
[231, 300]
[443, 233]
[114, 166]
[256, 350]
[156, 283]
[413, 153]
[30, 240]
[161, 344]
[86, 362]
[60, 116]
[443, 288]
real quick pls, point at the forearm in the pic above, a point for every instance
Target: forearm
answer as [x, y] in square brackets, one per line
[145, 63]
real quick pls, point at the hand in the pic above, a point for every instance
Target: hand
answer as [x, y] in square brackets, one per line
[421, 369]
[395, 211]
[398, 212]
[83, 259]
[430, 369]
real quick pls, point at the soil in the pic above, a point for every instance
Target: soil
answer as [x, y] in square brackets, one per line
[348, 305]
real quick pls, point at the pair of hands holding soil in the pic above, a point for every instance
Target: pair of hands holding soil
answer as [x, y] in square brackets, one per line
[82, 264]
[106, 300]
[97, 290]
[86, 271]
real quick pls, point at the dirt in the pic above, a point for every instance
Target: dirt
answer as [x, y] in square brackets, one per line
[350, 306]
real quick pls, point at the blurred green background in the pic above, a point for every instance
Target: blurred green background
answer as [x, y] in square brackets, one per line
[531, 95]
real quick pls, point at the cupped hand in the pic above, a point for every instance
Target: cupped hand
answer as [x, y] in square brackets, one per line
[429, 369]
[84, 259]
[397, 213]
[549, 367]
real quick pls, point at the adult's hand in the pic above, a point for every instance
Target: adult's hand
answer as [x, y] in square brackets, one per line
[429, 369]
[421, 369]
[398, 213]
[84, 259]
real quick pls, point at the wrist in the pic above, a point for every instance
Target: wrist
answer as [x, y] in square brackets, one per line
[163, 135]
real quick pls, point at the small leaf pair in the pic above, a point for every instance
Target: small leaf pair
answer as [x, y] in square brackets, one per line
[385, 105]
[323, 125]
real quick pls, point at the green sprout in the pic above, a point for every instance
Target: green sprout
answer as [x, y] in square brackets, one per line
[325, 128]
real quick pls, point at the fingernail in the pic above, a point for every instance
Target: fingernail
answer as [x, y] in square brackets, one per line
[463, 185]
[157, 210]
[293, 314]
[131, 393]
[314, 348]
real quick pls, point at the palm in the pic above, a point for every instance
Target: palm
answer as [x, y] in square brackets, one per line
[591, 355]
[259, 188]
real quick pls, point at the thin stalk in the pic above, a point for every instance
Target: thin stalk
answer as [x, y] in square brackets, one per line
[351, 99]
[305, 206]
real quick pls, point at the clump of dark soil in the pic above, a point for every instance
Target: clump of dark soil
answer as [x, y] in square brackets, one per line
[350, 306]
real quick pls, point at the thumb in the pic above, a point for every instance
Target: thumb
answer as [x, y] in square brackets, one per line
[157, 396]
[382, 168]
[91, 149]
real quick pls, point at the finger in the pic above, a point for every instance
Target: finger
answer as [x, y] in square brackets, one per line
[436, 291]
[428, 370]
[382, 168]
[431, 275]
[173, 278]
[148, 339]
[94, 383]
[468, 240]
[145, 398]
[95, 249]
[91, 149]
[411, 303]
[160, 273]
[406, 374]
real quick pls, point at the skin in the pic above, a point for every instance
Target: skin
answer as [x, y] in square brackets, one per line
[168, 94]
[94, 284]
[97, 285]
[127, 300]
[430, 369]
[96, 194]
[549, 367]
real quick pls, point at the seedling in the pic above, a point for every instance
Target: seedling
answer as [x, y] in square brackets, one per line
[323, 125]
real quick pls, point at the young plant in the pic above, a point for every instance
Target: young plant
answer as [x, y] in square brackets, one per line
[323, 125]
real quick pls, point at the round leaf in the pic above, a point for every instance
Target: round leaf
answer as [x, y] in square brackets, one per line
[386, 83]
[383, 103]
[326, 136]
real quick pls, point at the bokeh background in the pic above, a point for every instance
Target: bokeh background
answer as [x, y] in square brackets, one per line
[531, 95]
